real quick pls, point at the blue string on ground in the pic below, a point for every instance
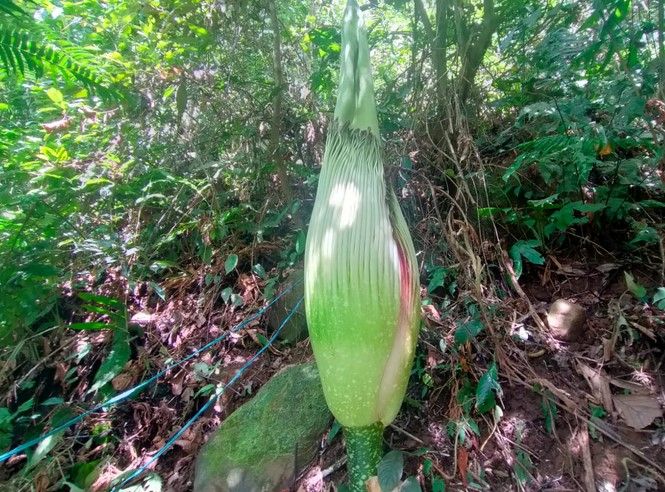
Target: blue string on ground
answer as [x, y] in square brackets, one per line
[209, 403]
[142, 385]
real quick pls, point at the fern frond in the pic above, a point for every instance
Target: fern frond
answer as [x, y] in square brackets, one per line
[9, 7]
[21, 53]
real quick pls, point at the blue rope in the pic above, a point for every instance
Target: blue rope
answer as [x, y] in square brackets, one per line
[126, 394]
[210, 401]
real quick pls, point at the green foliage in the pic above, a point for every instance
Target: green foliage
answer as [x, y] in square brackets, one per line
[550, 410]
[522, 467]
[487, 385]
[119, 354]
[584, 137]
[390, 470]
[438, 484]
[635, 288]
[659, 298]
[526, 250]
[597, 413]
[181, 180]
[230, 263]
[467, 330]
[20, 52]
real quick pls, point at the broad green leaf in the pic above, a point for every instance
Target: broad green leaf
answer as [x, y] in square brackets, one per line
[438, 485]
[92, 182]
[160, 265]
[231, 263]
[158, 289]
[53, 401]
[513, 168]
[115, 360]
[544, 201]
[103, 300]
[300, 242]
[468, 331]
[25, 406]
[390, 470]
[410, 485]
[488, 383]
[259, 270]
[84, 474]
[92, 325]
[659, 298]
[522, 467]
[205, 390]
[526, 250]
[550, 410]
[638, 290]
[6, 428]
[437, 278]
[42, 449]
[226, 294]
[56, 96]
[262, 340]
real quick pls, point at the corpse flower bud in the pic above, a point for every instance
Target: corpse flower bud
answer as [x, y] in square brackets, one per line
[361, 276]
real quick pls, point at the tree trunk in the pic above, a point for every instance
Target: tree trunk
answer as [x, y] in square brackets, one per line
[274, 150]
[439, 58]
[476, 46]
[436, 38]
[661, 49]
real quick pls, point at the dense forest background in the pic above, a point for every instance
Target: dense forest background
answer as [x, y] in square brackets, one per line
[158, 164]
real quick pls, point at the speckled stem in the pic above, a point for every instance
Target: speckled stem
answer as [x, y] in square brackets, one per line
[364, 449]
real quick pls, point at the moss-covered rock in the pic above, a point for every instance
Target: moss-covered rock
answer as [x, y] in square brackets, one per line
[264, 444]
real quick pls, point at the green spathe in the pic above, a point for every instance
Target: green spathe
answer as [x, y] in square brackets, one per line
[361, 277]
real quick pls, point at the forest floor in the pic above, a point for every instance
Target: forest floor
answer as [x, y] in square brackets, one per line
[575, 415]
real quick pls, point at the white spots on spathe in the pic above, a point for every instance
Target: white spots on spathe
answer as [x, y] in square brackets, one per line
[328, 243]
[394, 255]
[345, 198]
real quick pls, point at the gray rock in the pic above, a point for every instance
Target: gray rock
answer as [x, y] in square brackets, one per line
[295, 329]
[266, 442]
[566, 320]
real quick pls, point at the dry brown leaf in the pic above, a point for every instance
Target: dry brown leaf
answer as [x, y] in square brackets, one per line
[177, 383]
[41, 482]
[608, 348]
[588, 476]
[599, 383]
[432, 313]
[638, 410]
[607, 267]
[644, 330]
[57, 125]
[629, 385]
[122, 381]
[142, 318]
[372, 485]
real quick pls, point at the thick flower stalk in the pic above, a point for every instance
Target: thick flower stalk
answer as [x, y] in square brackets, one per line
[361, 276]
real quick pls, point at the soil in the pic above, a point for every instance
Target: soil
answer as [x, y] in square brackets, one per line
[552, 434]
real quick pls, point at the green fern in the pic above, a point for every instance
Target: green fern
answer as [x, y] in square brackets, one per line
[21, 53]
[9, 7]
